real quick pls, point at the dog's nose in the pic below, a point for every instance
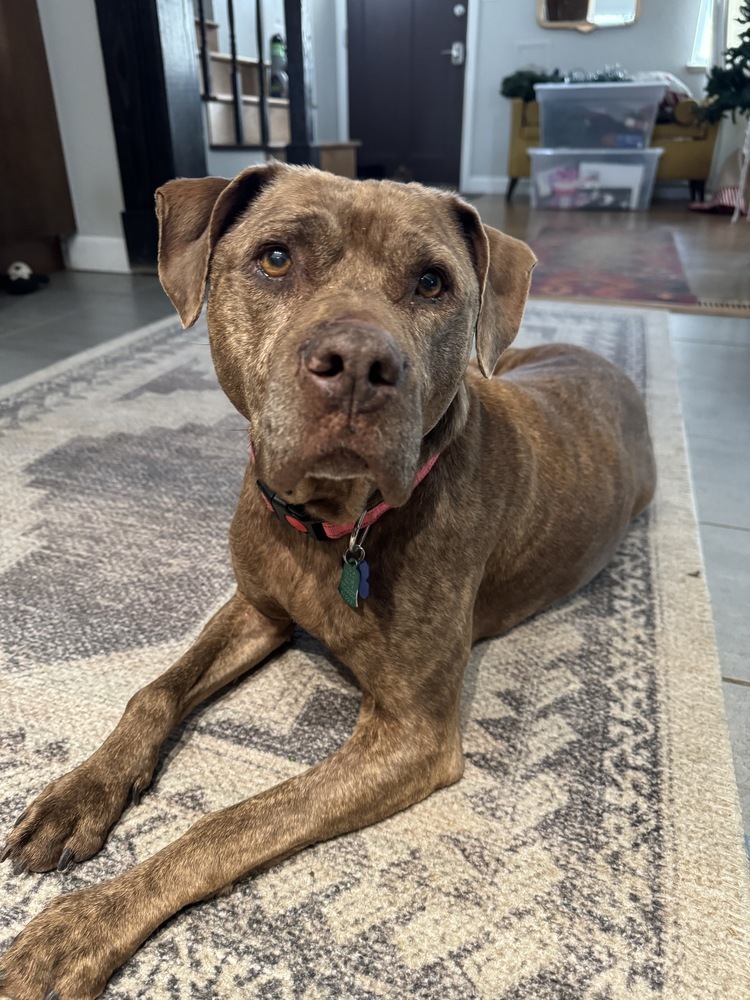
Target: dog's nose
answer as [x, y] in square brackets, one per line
[357, 367]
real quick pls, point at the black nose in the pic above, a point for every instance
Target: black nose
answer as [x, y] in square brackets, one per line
[357, 367]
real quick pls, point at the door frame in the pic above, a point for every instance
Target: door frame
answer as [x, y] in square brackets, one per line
[468, 182]
[342, 70]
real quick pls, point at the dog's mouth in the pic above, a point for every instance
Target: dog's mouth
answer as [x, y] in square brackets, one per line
[343, 463]
[297, 473]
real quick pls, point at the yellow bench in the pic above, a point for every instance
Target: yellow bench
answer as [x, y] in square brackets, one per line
[688, 146]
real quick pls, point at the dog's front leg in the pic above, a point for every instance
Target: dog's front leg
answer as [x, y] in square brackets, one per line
[72, 816]
[390, 762]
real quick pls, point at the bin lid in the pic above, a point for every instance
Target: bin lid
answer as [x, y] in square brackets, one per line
[650, 90]
[652, 152]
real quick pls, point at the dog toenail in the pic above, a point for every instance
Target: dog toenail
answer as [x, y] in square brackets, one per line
[52, 995]
[65, 859]
[19, 866]
[6, 854]
[20, 819]
[135, 795]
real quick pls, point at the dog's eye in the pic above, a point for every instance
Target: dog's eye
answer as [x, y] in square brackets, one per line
[430, 285]
[275, 262]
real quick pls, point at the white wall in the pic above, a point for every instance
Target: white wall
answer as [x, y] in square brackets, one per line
[327, 44]
[731, 134]
[230, 162]
[74, 55]
[504, 36]
[731, 138]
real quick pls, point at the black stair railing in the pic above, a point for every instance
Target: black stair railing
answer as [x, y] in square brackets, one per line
[299, 67]
[239, 130]
[205, 65]
[261, 73]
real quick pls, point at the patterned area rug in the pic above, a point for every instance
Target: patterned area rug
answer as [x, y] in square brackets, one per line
[592, 850]
[576, 262]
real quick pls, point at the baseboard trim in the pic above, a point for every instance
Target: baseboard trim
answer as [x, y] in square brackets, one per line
[484, 184]
[96, 253]
[487, 184]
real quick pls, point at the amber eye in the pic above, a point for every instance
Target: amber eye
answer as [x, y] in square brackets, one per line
[275, 262]
[430, 285]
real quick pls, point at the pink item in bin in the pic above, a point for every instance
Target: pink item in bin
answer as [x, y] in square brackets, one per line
[564, 185]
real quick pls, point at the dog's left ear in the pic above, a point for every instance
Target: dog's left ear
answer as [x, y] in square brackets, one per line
[193, 214]
[504, 267]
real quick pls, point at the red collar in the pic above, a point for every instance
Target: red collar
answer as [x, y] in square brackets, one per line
[295, 515]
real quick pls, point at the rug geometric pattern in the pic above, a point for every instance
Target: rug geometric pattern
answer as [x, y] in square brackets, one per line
[565, 864]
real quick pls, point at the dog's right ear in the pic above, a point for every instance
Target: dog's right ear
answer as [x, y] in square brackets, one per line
[192, 216]
[503, 266]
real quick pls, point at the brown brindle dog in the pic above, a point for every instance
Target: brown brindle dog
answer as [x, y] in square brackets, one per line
[341, 317]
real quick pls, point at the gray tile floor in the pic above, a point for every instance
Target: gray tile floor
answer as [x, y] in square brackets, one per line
[713, 365]
[79, 310]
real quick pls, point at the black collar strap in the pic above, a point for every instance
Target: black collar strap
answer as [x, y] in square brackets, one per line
[295, 516]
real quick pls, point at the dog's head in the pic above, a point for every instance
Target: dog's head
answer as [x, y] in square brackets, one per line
[341, 317]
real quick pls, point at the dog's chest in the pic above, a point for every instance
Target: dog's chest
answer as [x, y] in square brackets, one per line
[303, 578]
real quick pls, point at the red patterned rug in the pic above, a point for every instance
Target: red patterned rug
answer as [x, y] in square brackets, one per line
[590, 263]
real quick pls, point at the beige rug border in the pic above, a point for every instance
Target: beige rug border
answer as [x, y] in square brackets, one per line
[707, 877]
[709, 884]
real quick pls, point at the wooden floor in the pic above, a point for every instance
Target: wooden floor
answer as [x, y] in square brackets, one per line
[715, 254]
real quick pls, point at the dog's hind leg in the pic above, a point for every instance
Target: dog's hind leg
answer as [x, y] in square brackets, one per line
[70, 820]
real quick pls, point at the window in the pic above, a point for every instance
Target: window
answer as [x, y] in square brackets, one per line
[711, 13]
[704, 36]
[733, 25]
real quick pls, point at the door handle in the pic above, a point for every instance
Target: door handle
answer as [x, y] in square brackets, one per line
[457, 52]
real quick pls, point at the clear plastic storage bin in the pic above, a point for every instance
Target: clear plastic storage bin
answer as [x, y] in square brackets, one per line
[598, 115]
[608, 179]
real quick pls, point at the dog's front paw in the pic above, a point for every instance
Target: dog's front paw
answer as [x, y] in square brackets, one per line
[68, 951]
[69, 821]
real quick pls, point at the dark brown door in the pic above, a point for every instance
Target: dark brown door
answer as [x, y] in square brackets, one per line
[406, 87]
